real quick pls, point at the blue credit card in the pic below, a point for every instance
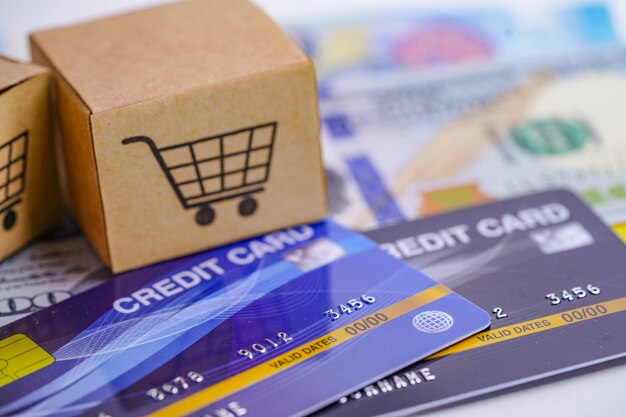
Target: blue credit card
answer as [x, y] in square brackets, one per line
[282, 324]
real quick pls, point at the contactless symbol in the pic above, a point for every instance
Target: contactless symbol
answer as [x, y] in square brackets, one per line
[433, 321]
[217, 168]
[20, 356]
[12, 177]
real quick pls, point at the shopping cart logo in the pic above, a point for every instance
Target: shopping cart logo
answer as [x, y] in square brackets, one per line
[218, 168]
[12, 177]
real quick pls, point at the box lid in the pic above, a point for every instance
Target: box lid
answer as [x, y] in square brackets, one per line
[12, 72]
[145, 55]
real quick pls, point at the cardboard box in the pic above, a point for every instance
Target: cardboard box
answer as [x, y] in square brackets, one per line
[184, 127]
[30, 201]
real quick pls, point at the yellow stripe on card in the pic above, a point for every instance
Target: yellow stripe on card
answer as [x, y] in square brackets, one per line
[301, 353]
[541, 324]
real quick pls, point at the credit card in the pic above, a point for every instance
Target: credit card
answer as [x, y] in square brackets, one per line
[550, 272]
[282, 324]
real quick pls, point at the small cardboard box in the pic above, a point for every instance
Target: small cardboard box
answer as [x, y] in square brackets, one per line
[184, 127]
[30, 201]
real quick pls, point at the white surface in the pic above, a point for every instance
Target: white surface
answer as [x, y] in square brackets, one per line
[597, 393]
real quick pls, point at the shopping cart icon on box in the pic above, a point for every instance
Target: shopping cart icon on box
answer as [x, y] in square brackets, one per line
[12, 177]
[217, 168]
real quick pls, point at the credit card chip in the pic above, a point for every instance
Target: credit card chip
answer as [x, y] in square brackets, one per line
[20, 356]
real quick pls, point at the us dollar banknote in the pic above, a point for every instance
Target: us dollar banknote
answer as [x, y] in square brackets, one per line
[50, 270]
[404, 146]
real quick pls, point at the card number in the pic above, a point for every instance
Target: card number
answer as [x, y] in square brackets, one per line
[499, 313]
[572, 294]
[349, 307]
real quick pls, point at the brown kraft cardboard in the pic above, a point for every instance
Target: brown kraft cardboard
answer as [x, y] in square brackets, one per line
[184, 127]
[30, 201]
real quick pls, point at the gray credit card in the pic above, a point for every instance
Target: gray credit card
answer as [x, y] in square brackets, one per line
[550, 272]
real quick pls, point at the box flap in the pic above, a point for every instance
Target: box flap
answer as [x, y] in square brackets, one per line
[163, 51]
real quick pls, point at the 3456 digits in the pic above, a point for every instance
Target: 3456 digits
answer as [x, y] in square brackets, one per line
[350, 306]
[572, 294]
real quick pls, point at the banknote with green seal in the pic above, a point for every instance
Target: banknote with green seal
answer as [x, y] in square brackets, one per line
[402, 147]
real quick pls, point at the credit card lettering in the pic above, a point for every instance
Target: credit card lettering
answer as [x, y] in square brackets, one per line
[488, 227]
